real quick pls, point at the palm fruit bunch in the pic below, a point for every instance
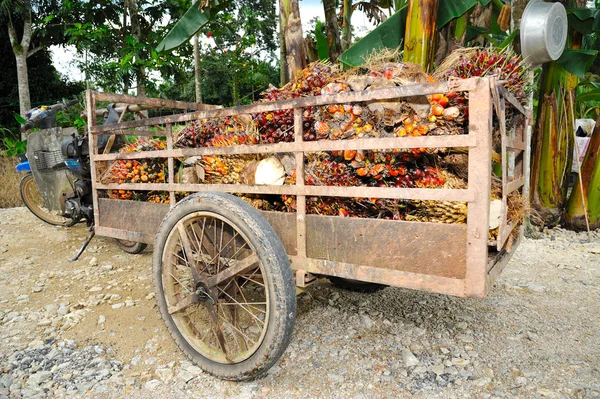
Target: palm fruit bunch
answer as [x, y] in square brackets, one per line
[216, 132]
[224, 169]
[144, 144]
[471, 62]
[150, 170]
[278, 126]
[438, 212]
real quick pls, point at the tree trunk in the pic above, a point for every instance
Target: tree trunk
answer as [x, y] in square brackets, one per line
[198, 84]
[346, 24]
[294, 42]
[21, 52]
[419, 38]
[282, 60]
[590, 177]
[136, 33]
[333, 32]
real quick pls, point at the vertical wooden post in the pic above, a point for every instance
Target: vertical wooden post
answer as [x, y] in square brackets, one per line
[90, 100]
[480, 170]
[170, 163]
[300, 199]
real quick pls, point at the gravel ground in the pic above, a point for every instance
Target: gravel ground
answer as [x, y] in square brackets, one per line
[91, 329]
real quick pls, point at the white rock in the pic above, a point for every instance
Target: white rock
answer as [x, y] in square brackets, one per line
[164, 374]
[152, 385]
[94, 261]
[117, 305]
[409, 359]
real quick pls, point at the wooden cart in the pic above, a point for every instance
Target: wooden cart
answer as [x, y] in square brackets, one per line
[452, 259]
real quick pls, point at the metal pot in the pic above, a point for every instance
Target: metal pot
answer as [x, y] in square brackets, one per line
[543, 32]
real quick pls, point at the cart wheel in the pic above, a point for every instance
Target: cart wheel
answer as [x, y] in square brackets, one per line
[355, 285]
[131, 247]
[224, 285]
[30, 194]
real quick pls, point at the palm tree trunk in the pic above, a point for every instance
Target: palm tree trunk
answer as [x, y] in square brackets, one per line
[294, 42]
[282, 60]
[333, 33]
[198, 82]
[590, 177]
[419, 39]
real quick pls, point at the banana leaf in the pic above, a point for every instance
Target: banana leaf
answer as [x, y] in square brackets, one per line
[592, 95]
[387, 35]
[190, 24]
[450, 9]
[584, 20]
[322, 46]
[577, 62]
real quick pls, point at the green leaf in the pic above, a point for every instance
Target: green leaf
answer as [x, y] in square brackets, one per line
[448, 10]
[20, 120]
[592, 95]
[387, 35]
[577, 62]
[189, 24]
[322, 46]
[584, 20]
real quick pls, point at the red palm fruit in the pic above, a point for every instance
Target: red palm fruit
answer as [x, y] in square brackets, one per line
[321, 128]
[436, 97]
[344, 212]
[362, 171]
[443, 101]
[437, 109]
[349, 154]
[360, 155]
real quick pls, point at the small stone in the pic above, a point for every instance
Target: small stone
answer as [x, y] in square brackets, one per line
[409, 358]
[152, 385]
[444, 350]
[101, 319]
[535, 287]
[95, 289]
[44, 322]
[335, 378]
[164, 374]
[117, 305]
[520, 380]
[39, 378]
[438, 369]
[94, 261]
[185, 376]
[482, 382]
[366, 321]
[460, 362]
[38, 288]
[129, 303]
[107, 267]
[150, 295]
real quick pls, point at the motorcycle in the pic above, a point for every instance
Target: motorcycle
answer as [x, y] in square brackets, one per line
[57, 186]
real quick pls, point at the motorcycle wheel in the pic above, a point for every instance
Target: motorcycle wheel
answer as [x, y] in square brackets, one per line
[131, 247]
[32, 198]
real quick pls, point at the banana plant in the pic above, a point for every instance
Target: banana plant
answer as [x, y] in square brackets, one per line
[552, 138]
[586, 199]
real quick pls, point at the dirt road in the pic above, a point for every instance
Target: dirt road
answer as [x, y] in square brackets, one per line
[91, 329]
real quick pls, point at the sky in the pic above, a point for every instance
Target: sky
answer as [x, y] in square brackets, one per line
[63, 57]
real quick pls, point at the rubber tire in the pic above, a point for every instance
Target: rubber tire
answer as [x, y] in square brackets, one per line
[135, 248]
[34, 208]
[278, 277]
[355, 285]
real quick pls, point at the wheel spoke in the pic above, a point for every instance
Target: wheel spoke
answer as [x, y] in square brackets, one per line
[183, 304]
[243, 307]
[239, 267]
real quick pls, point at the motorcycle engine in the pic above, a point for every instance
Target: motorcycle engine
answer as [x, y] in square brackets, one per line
[78, 204]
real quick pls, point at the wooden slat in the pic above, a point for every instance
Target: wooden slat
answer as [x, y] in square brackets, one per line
[515, 144]
[511, 99]
[514, 185]
[154, 102]
[349, 192]
[480, 123]
[349, 97]
[415, 281]
[308, 146]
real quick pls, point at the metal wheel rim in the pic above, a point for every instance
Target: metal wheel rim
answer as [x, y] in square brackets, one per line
[33, 197]
[194, 322]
